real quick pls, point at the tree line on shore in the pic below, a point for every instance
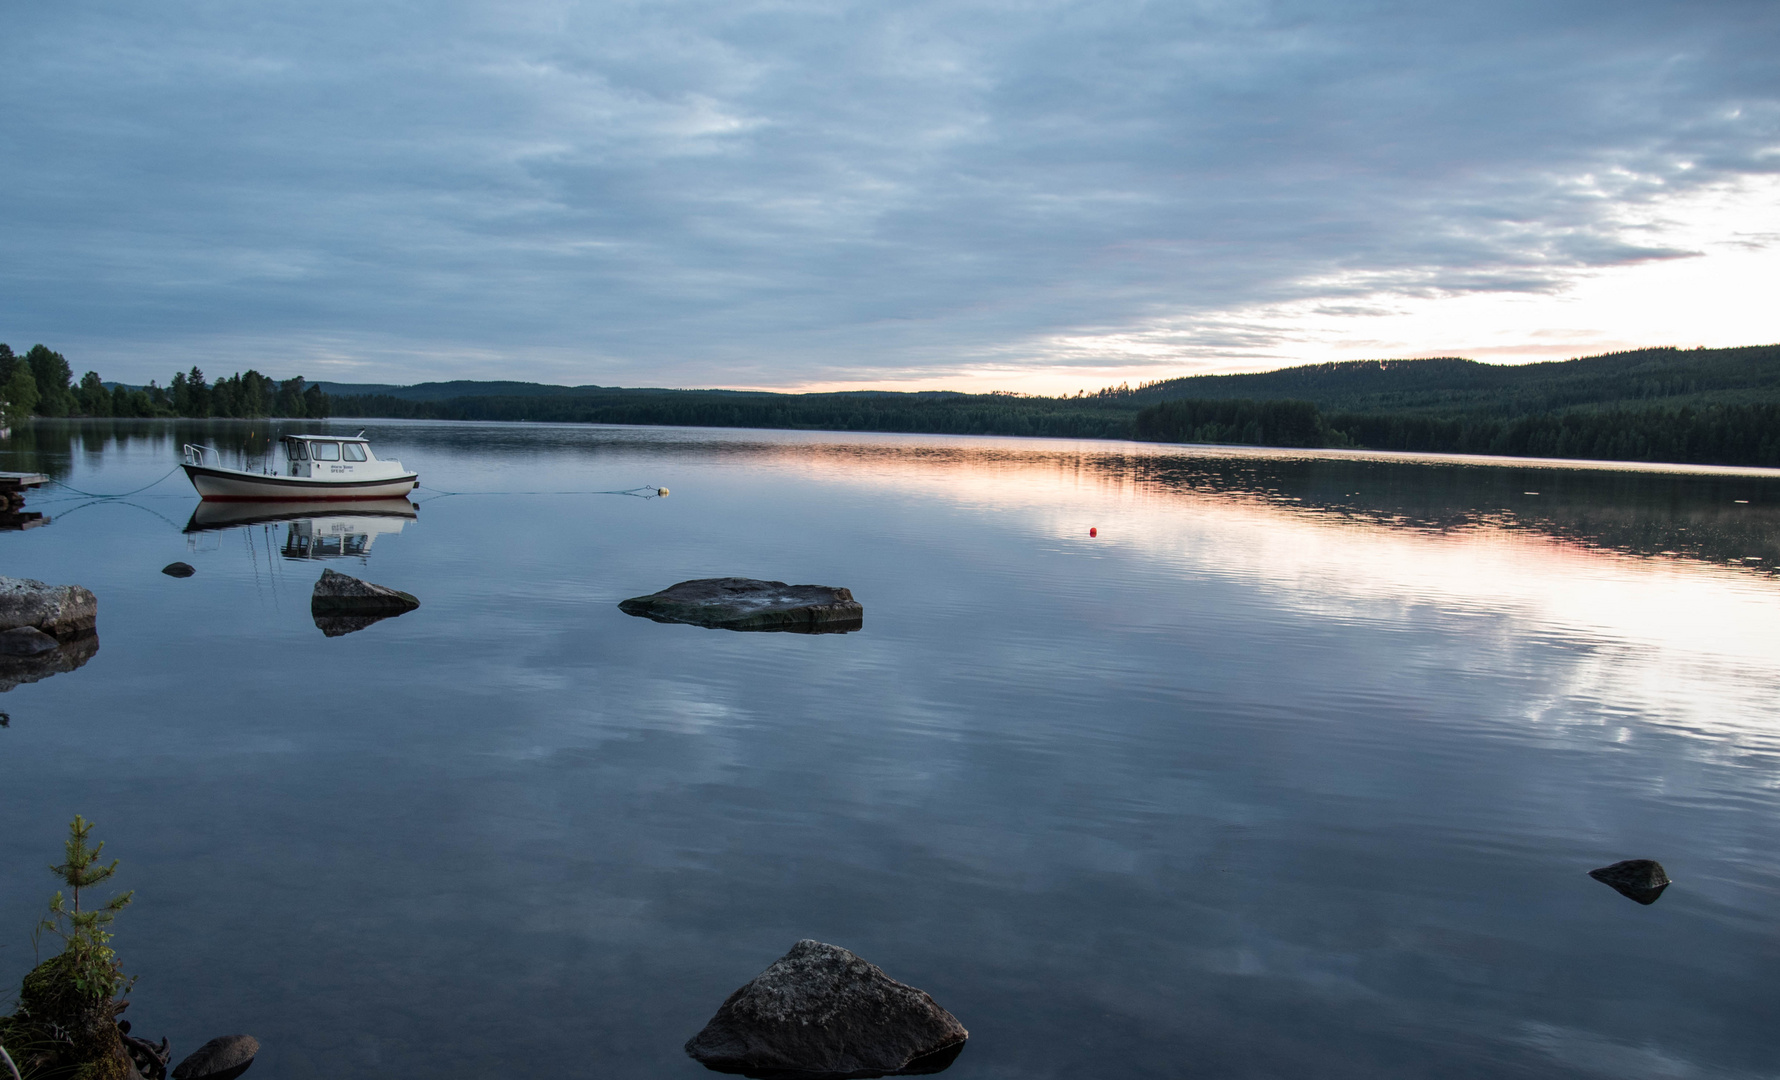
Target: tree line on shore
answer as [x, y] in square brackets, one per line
[1715, 407]
[926, 413]
[1702, 435]
[1720, 434]
[41, 383]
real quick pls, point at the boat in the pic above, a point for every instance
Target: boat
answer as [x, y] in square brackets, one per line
[315, 467]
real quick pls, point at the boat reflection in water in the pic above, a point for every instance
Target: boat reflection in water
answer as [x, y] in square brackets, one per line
[348, 532]
[305, 531]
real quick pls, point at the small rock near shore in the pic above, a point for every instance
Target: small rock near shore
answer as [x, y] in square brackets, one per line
[178, 569]
[748, 604]
[222, 1058]
[62, 611]
[1642, 880]
[342, 594]
[820, 1010]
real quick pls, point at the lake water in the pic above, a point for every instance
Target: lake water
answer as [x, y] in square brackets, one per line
[1296, 769]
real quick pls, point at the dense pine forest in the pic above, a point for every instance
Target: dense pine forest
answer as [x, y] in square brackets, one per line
[1704, 406]
[41, 383]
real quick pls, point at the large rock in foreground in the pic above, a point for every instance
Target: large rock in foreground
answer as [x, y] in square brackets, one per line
[1642, 880]
[820, 1011]
[61, 611]
[222, 1058]
[342, 594]
[747, 604]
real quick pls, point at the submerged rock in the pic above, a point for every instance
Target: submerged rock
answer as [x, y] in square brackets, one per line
[820, 1011]
[747, 604]
[222, 1058]
[65, 656]
[62, 611]
[341, 625]
[178, 569]
[341, 594]
[1642, 880]
[25, 641]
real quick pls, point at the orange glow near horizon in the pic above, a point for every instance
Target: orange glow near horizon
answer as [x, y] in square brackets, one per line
[1718, 295]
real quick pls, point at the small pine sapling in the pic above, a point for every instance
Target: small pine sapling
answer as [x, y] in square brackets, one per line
[66, 1021]
[91, 961]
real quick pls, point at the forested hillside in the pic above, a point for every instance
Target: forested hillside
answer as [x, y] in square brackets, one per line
[1647, 377]
[1709, 406]
[1706, 405]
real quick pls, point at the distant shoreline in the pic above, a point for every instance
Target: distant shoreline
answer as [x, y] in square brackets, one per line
[1664, 406]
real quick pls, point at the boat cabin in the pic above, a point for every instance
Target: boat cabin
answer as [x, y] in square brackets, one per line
[325, 455]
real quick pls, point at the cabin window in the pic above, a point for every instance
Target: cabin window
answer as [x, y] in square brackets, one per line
[353, 451]
[325, 451]
[299, 451]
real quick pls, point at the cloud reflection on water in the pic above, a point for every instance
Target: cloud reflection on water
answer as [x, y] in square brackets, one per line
[1270, 775]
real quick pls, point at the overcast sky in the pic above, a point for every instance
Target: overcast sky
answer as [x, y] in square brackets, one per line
[1035, 195]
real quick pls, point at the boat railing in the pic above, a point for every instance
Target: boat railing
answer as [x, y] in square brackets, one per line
[196, 453]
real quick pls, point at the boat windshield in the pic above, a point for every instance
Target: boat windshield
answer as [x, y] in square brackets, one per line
[325, 451]
[353, 451]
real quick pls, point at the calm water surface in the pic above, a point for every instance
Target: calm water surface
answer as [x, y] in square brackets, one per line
[1295, 770]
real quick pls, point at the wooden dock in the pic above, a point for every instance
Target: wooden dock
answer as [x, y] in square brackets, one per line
[13, 486]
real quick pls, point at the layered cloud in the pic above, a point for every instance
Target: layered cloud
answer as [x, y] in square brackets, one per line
[782, 193]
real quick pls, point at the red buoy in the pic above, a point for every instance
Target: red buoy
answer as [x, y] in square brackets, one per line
[1093, 532]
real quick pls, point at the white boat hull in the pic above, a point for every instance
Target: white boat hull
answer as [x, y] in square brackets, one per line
[237, 485]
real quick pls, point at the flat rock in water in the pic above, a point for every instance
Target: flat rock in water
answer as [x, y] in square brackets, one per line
[748, 604]
[62, 611]
[341, 594]
[25, 641]
[178, 569]
[222, 1058]
[820, 1011]
[1642, 880]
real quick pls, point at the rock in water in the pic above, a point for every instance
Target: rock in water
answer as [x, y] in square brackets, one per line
[1642, 880]
[222, 1058]
[66, 656]
[25, 641]
[44, 629]
[821, 1010]
[62, 611]
[178, 569]
[340, 594]
[747, 604]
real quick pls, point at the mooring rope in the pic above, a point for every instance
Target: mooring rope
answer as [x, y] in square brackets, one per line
[648, 491]
[121, 495]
